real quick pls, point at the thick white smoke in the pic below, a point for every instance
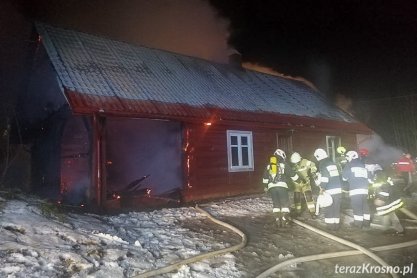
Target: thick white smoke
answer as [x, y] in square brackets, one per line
[379, 151]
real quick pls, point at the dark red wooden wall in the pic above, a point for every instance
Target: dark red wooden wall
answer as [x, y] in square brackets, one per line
[205, 158]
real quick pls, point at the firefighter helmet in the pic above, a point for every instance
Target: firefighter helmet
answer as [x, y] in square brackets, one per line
[280, 153]
[363, 152]
[295, 158]
[320, 154]
[351, 155]
[341, 150]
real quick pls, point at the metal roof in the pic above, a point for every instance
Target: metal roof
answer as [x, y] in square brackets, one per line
[100, 74]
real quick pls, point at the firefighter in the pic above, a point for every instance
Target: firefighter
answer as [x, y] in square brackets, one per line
[356, 175]
[386, 202]
[405, 168]
[305, 169]
[275, 182]
[363, 154]
[329, 182]
[341, 162]
[370, 165]
[341, 158]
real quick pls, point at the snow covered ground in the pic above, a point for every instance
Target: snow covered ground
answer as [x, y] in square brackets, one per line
[35, 241]
[38, 241]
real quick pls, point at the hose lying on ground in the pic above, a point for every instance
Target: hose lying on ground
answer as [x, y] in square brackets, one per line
[343, 241]
[343, 253]
[338, 254]
[200, 257]
[332, 255]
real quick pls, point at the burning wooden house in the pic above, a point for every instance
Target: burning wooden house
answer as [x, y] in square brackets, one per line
[116, 121]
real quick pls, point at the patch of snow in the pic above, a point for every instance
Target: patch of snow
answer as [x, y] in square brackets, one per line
[34, 244]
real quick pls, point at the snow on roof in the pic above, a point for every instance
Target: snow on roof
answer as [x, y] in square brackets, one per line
[99, 68]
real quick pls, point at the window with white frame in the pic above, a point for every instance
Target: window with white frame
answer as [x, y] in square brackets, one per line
[239, 150]
[332, 142]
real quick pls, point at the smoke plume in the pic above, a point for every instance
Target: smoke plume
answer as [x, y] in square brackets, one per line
[189, 27]
[379, 151]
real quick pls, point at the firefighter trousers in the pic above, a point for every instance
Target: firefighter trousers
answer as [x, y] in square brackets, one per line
[361, 213]
[280, 199]
[332, 213]
[308, 196]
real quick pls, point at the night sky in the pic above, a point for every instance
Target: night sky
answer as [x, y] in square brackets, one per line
[363, 47]
[364, 50]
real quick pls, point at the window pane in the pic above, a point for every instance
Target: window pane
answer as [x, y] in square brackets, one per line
[240, 150]
[245, 156]
[244, 140]
[233, 140]
[235, 158]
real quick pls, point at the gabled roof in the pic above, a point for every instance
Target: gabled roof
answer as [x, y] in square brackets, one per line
[107, 76]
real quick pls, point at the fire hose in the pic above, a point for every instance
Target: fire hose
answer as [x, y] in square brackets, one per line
[200, 257]
[317, 257]
[360, 249]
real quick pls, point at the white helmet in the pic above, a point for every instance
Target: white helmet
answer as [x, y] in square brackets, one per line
[280, 153]
[351, 155]
[295, 158]
[320, 154]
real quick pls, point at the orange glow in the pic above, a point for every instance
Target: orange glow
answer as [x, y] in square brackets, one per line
[207, 123]
[268, 70]
[115, 196]
[188, 151]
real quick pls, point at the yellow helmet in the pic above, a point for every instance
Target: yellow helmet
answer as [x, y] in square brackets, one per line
[341, 150]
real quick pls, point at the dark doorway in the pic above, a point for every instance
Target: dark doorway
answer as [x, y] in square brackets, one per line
[137, 148]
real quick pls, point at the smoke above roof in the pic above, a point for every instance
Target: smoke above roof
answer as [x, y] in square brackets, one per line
[189, 27]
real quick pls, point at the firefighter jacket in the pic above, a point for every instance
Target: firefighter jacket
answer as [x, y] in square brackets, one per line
[372, 168]
[386, 200]
[341, 161]
[305, 169]
[277, 175]
[330, 179]
[356, 175]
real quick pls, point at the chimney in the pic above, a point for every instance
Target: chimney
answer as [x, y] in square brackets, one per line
[235, 60]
